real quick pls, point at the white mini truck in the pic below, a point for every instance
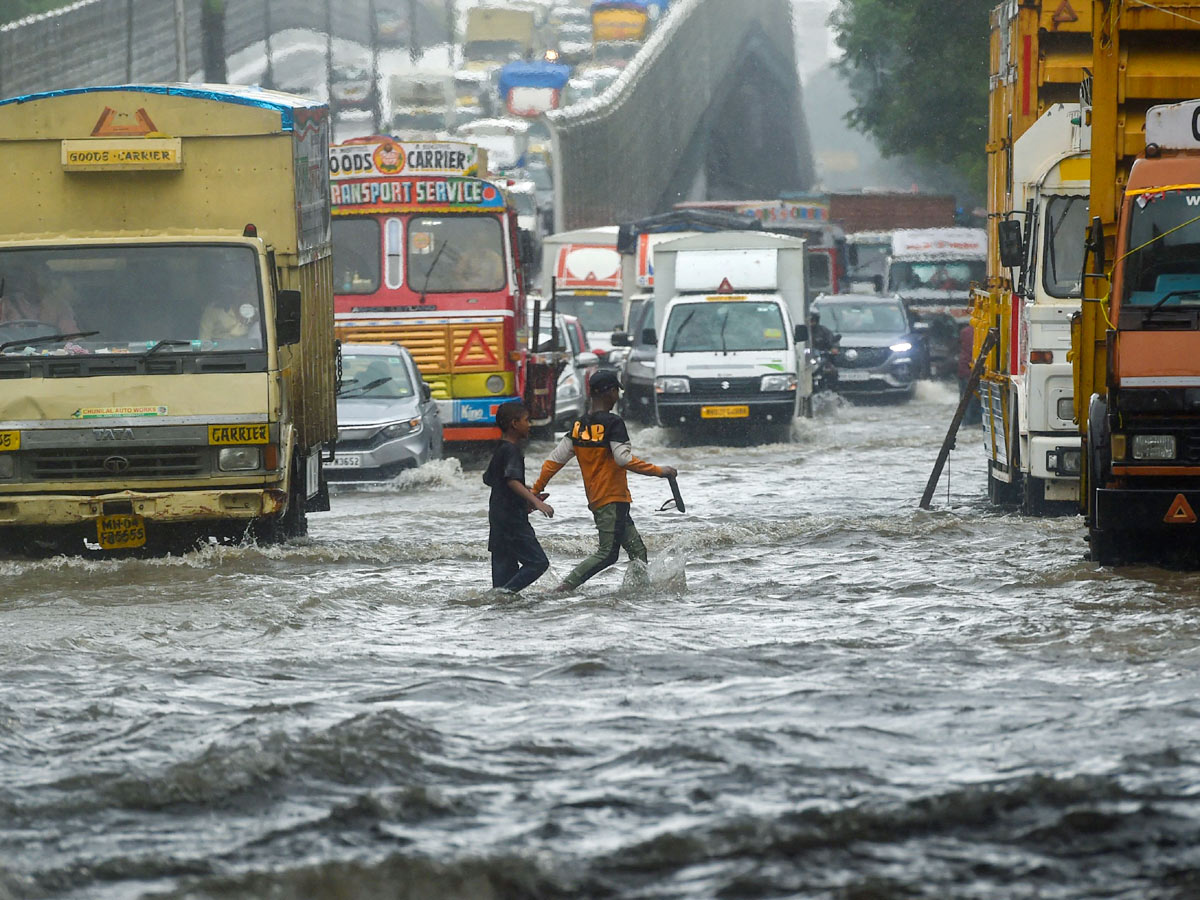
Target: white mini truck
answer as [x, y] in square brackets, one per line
[732, 338]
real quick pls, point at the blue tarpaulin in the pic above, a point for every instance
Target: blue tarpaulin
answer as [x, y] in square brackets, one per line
[533, 74]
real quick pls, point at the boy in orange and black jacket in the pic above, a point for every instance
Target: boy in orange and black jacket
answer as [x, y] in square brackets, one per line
[600, 442]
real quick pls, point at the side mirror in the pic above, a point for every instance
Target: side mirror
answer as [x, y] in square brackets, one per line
[621, 339]
[1012, 245]
[801, 334]
[877, 280]
[426, 391]
[649, 337]
[587, 358]
[1095, 244]
[528, 252]
[287, 317]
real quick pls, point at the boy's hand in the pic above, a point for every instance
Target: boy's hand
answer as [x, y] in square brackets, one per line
[542, 496]
[544, 508]
[668, 472]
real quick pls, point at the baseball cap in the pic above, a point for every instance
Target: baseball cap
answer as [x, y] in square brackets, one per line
[603, 381]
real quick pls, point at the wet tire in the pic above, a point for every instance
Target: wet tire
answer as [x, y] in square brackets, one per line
[291, 523]
[1002, 493]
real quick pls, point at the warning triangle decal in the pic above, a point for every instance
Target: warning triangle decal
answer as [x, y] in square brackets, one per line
[725, 288]
[1065, 13]
[109, 126]
[1180, 512]
[476, 352]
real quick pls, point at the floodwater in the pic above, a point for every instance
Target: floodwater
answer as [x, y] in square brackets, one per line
[817, 690]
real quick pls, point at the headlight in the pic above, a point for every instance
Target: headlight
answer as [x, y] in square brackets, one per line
[569, 388]
[495, 384]
[672, 385]
[400, 429]
[1154, 446]
[902, 347]
[1066, 408]
[1064, 460]
[8, 465]
[778, 383]
[239, 459]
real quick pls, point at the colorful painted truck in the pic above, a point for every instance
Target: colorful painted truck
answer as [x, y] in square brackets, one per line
[427, 254]
[167, 357]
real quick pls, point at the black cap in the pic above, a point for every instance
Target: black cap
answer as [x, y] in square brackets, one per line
[603, 381]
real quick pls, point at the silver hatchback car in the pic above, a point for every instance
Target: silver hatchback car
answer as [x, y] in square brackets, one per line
[387, 418]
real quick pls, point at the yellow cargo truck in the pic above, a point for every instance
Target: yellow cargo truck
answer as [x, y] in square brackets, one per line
[167, 358]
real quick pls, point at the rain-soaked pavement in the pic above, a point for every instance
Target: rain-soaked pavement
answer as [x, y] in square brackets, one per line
[822, 692]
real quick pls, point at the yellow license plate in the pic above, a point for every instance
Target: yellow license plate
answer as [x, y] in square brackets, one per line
[118, 532]
[10, 440]
[238, 434]
[724, 412]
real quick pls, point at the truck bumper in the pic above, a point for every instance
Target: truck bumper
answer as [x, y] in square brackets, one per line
[174, 507]
[673, 413]
[1143, 510]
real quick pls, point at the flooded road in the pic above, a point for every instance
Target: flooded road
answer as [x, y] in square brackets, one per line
[822, 692]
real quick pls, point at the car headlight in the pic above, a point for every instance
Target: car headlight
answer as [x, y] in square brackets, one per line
[400, 429]
[778, 383]
[668, 385]
[239, 459]
[568, 389]
[8, 465]
[902, 347]
[495, 384]
[1154, 446]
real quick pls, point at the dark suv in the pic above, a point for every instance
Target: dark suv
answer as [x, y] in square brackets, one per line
[882, 351]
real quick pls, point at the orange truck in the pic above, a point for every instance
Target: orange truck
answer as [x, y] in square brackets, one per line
[1136, 341]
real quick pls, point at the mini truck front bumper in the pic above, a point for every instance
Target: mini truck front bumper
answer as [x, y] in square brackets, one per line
[683, 409]
[156, 506]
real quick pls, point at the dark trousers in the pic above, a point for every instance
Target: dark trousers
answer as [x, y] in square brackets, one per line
[616, 530]
[518, 560]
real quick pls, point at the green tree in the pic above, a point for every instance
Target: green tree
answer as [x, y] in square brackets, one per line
[918, 72]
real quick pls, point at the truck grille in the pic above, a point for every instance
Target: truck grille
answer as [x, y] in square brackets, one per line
[865, 357]
[149, 462]
[715, 387]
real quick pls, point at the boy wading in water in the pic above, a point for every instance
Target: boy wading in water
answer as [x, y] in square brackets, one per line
[600, 441]
[517, 558]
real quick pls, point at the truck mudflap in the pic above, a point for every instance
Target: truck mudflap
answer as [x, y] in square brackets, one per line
[1142, 510]
[174, 507]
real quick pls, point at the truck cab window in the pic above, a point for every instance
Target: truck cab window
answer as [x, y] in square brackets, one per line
[455, 254]
[1066, 222]
[356, 252]
[1164, 254]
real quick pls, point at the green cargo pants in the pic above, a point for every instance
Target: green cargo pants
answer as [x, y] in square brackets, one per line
[616, 531]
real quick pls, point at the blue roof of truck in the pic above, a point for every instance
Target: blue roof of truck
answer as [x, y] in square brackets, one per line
[241, 95]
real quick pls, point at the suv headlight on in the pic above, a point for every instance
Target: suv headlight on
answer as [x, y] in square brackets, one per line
[902, 347]
[778, 383]
[668, 385]
[239, 459]
[400, 429]
[1153, 446]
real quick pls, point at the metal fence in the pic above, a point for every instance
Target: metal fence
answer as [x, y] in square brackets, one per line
[120, 41]
[617, 156]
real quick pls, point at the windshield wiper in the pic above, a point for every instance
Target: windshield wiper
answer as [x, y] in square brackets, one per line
[166, 343]
[46, 339]
[721, 334]
[679, 330]
[1146, 316]
[371, 385]
[432, 265]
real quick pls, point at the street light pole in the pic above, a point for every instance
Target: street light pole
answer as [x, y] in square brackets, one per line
[376, 95]
[181, 73]
[269, 75]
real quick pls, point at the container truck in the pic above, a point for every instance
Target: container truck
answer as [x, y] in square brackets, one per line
[733, 334]
[1136, 340]
[167, 358]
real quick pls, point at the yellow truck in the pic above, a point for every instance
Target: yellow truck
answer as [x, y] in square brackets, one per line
[1136, 342]
[167, 357]
[496, 35]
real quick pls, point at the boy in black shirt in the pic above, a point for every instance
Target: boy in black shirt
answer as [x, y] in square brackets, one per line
[517, 558]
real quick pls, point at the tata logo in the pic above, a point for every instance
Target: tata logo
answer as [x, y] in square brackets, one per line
[112, 434]
[116, 465]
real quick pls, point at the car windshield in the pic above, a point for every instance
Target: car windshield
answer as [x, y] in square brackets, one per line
[724, 326]
[863, 318]
[175, 298]
[935, 275]
[375, 376]
[453, 254]
[595, 313]
[1164, 264]
[355, 256]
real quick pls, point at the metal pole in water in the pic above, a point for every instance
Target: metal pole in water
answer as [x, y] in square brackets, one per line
[993, 336]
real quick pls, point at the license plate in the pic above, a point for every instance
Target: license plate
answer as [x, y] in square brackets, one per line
[724, 412]
[843, 375]
[350, 461]
[10, 440]
[118, 532]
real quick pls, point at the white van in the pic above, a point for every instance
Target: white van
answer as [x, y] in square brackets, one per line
[731, 346]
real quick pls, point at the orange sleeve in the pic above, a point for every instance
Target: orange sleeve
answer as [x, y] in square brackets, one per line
[549, 470]
[643, 468]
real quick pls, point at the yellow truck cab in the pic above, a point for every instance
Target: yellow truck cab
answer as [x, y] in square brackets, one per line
[167, 358]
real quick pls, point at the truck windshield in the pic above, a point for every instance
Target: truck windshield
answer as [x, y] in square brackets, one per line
[595, 313]
[355, 256]
[1164, 259]
[454, 254]
[935, 275]
[713, 327]
[178, 298]
[487, 51]
[1066, 224]
[863, 318]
